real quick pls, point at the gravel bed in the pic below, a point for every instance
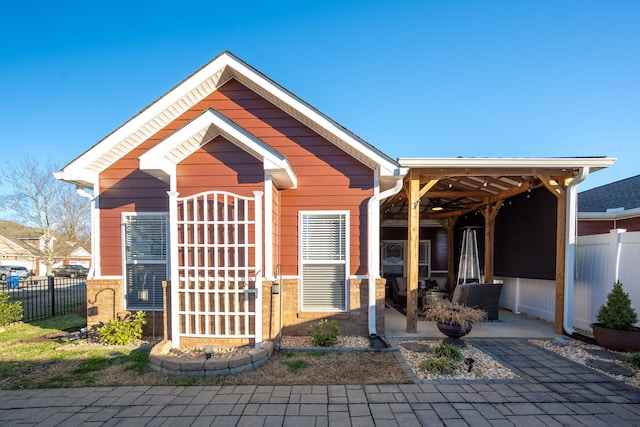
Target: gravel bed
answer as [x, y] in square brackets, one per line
[307, 341]
[576, 350]
[484, 366]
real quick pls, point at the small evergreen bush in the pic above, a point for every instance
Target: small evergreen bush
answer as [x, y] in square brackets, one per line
[449, 351]
[325, 333]
[122, 331]
[438, 365]
[617, 313]
[634, 360]
[10, 312]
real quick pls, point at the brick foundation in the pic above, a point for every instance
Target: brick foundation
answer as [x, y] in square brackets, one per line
[104, 302]
[353, 322]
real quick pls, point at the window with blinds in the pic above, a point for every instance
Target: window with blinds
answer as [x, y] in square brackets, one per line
[145, 260]
[324, 260]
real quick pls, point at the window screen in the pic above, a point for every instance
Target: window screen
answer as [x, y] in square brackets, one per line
[145, 255]
[324, 256]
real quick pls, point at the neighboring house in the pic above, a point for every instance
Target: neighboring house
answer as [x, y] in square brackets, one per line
[231, 211]
[19, 245]
[14, 254]
[610, 206]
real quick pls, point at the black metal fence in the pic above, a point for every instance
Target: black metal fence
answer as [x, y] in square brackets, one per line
[42, 298]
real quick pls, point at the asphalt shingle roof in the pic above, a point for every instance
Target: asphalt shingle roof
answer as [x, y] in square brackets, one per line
[620, 194]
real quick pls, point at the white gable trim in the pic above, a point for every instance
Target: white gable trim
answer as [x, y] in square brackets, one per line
[161, 160]
[85, 169]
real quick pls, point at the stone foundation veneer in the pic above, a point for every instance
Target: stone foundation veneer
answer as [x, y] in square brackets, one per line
[161, 361]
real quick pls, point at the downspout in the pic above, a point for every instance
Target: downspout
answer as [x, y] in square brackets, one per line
[82, 192]
[373, 241]
[570, 256]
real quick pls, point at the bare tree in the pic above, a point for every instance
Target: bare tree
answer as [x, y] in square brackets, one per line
[39, 200]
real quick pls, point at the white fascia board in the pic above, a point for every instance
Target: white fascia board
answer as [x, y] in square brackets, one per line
[150, 113]
[622, 214]
[594, 163]
[161, 160]
[82, 178]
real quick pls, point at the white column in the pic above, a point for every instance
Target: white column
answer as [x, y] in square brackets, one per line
[173, 268]
[258, 266]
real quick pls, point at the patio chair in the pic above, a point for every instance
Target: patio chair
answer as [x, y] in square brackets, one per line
[485, 296]
[399, 290]
[398, 286]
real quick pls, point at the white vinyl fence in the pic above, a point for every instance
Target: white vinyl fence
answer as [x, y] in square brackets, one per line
[600, 260]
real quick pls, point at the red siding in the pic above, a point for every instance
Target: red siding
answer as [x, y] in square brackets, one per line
[589, 227]
[328, 178]
[220, 165]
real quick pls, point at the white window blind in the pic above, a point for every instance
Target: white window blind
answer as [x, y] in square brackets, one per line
[145, 256]
[324, 259]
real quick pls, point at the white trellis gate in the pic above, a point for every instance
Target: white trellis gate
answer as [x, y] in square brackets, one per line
[217, 267]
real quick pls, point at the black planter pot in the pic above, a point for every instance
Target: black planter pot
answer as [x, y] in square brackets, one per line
[453, 331]
[616, 339]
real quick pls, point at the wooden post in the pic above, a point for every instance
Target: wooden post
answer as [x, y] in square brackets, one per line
[412, 251]
[490, 212]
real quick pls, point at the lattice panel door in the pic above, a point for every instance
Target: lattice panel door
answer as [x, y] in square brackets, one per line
[218, 266]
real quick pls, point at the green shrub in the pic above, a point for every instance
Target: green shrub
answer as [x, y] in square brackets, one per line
[449, 351]
[10, 312]
[634, 360]
[122, 331]
[325, 333]
[438, 365]
[617, 313]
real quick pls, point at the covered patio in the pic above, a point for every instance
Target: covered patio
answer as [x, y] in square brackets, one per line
[445, 192]
[510, 325]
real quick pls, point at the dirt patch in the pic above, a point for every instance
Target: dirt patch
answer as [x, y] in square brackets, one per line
[320, 368]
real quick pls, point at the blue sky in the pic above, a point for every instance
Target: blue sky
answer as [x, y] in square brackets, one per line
[413, 78]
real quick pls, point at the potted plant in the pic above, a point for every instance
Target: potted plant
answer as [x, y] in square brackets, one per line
[453, 320]
[615, 329]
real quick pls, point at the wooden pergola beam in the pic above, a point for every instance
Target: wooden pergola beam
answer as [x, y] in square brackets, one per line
[413, 204]
[431, 182]
[490, 212]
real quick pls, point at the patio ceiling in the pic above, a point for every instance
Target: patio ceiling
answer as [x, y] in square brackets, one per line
[454, 187]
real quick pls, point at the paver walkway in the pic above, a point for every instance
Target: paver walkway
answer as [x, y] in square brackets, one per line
[553, 391]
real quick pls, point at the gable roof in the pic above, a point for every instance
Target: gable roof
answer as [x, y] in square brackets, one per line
[84, 170]
[619, 194]
[161, 160]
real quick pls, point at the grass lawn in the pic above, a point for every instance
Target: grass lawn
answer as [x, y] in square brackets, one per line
[30, 358]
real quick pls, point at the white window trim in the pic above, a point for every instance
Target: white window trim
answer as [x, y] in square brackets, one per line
[123, 217]
[347, 265]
